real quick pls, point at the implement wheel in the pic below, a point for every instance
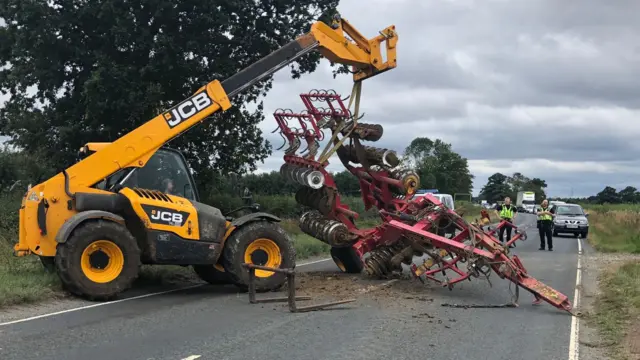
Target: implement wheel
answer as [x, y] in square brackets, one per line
[347, 260]
[98, 261]
[260, 243]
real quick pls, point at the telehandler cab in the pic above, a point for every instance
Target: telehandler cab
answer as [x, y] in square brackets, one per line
[133, 201]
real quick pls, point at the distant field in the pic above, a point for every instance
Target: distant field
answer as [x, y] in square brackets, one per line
[612, 207]
[615, 228]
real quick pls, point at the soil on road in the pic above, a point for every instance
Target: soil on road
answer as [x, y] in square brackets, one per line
[403, 320]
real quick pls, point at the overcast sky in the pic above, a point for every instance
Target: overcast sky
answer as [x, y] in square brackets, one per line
[547, 88]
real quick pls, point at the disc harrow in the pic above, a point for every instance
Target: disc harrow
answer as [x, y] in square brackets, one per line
[410, 227]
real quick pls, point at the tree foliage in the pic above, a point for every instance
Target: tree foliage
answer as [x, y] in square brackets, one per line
[609, 195]
[500, 186]
[497, 188]
[438, 166]
[101, 68]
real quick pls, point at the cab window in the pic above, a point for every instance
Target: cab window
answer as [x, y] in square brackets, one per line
[165, 172]
[449, 202]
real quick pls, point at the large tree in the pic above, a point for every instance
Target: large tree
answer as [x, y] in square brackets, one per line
[519, 182]
[500, 186]
[608, 195]
[81, 71]
[438, 166]
[496, 189]
[629, 195]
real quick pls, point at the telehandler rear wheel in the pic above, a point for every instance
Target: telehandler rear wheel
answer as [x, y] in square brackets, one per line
[260, 243]
[99, 260]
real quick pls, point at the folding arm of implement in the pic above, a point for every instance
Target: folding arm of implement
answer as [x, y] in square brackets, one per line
[338, 42]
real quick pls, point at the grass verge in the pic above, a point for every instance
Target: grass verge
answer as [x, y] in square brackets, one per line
[23, 280]
[618, 306]
[615, 231]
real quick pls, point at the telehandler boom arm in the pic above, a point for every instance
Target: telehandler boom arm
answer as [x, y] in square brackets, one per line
[135, 148]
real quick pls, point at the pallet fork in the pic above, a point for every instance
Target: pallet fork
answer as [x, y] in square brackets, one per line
[291, 291]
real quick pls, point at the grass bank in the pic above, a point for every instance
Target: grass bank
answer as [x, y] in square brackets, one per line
[617, 312]
[616, 229]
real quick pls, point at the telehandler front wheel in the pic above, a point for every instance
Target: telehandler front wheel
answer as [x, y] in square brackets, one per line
[259, 243]
[98, 261]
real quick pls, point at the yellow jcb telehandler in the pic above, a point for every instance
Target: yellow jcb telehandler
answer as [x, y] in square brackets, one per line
[133, 201]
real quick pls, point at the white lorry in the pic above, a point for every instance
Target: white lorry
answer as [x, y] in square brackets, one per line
[527, 201]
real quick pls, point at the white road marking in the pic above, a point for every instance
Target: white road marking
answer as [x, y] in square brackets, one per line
[192, 357]
[121, 300]
[574, 347]
[314, 262]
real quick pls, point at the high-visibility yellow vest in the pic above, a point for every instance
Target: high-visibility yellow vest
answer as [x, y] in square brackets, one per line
[506, 212]
[545, 216]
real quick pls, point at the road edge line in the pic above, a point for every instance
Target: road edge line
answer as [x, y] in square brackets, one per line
[574, 346]
[122, 300]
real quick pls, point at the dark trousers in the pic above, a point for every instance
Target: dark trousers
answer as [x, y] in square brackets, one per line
[506, 228]
[545, 230]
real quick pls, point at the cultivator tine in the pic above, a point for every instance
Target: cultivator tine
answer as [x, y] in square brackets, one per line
[283, 143]
[293, 146]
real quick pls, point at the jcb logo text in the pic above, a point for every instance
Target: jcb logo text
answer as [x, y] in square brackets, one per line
[187, 109]
[167, 216]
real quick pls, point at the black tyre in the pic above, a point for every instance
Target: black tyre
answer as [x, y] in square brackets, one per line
[555, 233]
[260, 243]
[48, 263]
[98, 261]
[212, 275]
[584, 234]
[347, 260]
[576, 235]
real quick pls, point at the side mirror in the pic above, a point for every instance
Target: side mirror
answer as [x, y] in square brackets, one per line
[586, 214]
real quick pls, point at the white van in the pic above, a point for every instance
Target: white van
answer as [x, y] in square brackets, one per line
[446, 199]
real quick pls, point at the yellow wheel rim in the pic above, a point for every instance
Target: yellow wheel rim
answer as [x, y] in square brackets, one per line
[264, 252]
[218, 267]
[339, 264]
[102, 261]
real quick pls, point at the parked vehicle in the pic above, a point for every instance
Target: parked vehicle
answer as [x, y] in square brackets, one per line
[571, 219]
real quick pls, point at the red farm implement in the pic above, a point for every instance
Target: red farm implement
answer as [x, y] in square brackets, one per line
[410, 227]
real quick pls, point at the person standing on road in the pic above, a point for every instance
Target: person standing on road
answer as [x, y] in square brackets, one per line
[545, 224]
[506, 212]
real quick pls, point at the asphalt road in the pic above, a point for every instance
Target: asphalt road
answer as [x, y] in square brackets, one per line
[218, 323]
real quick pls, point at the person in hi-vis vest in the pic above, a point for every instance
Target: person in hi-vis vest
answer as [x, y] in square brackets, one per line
[507, 212]
[545, 224]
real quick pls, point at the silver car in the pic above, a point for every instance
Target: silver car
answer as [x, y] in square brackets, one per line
[570, 219]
